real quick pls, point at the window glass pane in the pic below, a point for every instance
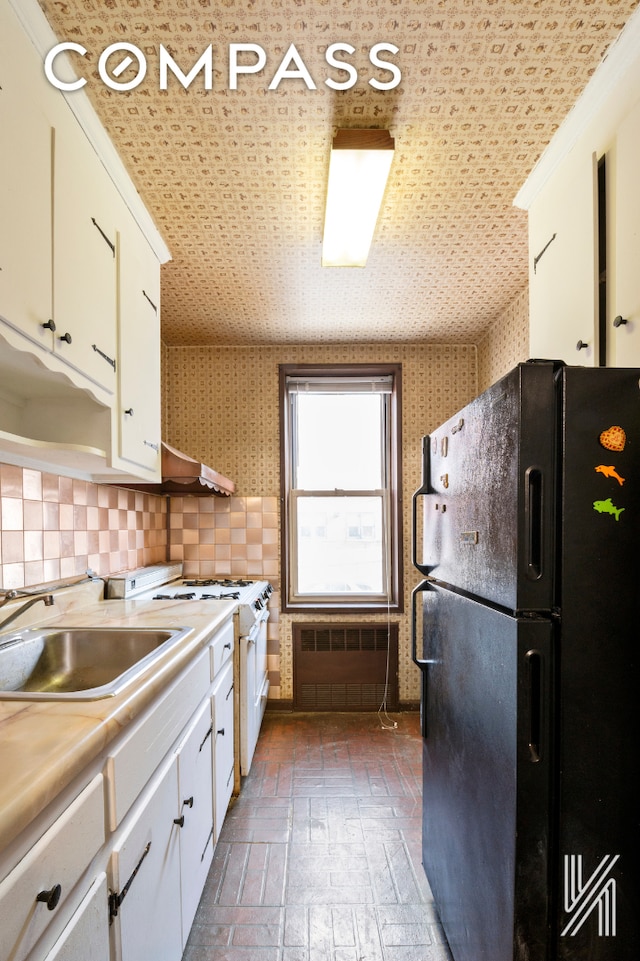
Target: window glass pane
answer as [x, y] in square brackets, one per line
[339, 545]
[339, 442]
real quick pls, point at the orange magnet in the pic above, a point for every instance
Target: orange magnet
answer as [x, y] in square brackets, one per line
[614, 438]
[610, 472]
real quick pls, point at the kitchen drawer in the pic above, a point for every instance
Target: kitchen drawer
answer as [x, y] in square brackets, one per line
[221, 646]
[59, 857]
[223, 720]
[135, 759]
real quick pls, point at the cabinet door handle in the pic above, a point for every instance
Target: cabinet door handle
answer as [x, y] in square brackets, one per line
[129, 411]
[179, 821]
[115, 899]
[221, 731]
[103, 235]
[104, 356]
[206, 737]
[188, 802]
[150, 301]
[66, 337]
[51, 897]
[50, 325]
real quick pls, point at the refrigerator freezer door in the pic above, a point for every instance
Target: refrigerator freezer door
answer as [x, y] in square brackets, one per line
[486, 804]
[488, 493]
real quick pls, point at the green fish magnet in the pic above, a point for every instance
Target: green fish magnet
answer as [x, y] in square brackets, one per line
[606, 507]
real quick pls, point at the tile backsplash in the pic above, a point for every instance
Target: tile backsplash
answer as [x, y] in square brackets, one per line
[56, 527]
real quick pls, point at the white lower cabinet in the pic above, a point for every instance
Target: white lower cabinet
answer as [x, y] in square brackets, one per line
[145, 881]
[86, 937]
[118, 873]
[37, 891]
[195, 778]
[223, 745]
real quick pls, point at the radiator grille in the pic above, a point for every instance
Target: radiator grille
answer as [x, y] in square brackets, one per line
[365, 638]
[342, 667]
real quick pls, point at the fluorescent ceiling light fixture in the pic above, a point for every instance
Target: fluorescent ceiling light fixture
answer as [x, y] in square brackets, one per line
[358, 171]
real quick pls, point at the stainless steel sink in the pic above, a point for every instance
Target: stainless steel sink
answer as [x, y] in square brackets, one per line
[78, 663]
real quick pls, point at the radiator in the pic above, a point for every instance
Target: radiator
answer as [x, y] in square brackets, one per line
[343, 667]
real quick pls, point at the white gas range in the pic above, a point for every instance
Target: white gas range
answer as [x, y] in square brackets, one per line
[165, 582]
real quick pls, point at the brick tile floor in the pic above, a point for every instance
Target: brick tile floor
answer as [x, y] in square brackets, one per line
[319, 857]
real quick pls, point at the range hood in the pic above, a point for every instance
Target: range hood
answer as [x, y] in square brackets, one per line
[182, 474]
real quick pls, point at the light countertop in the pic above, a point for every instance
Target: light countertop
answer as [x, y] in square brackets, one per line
[45, 744]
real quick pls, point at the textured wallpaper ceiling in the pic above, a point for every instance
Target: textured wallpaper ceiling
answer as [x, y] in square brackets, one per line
[235, 179]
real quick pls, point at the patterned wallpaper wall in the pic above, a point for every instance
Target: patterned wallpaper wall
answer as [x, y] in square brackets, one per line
[222, 406]
[506, 343]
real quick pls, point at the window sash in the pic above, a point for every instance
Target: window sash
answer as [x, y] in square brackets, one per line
[385, 442]
[350, 596]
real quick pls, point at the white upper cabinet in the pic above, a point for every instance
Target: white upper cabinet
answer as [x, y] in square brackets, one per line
[139, 353]
[25, 195]
[583, 198]
[85, 230]
[563, 264]
[79, 317]
[624, 328]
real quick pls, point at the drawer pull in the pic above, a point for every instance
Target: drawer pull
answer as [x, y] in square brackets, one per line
[50, 898]
[115, 899]
[206, 737]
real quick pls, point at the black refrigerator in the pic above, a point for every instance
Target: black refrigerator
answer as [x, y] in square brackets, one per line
[526, 629]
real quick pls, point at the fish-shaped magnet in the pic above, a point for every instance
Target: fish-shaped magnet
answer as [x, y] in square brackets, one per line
[607, 507]
[610, 472]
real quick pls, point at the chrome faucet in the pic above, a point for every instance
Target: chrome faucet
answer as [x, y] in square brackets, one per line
[46, 598]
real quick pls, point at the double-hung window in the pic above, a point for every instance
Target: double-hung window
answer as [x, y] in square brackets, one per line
[340, 479]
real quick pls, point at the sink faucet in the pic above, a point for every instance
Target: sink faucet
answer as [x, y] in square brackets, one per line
[46, 598]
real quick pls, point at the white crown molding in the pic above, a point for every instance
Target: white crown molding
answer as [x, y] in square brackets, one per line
[623, 53]
[37, 28]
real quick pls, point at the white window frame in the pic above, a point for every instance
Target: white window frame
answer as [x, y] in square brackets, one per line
[344, 378]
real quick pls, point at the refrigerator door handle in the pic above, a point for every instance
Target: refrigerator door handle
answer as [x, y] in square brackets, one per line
[421, 492]
[533, 507]
[421, 662]
[534, 661]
